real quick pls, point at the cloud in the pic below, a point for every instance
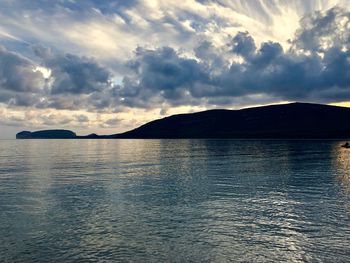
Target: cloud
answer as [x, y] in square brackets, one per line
[18, 74]
[55, 120]
[320, 31]
[73, 74]
[54, 80]
[21, 84]
[315, 68]
[243, 44]
[111, 122]
[81, 118]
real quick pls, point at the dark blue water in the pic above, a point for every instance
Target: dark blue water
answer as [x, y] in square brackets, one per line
[174, 201]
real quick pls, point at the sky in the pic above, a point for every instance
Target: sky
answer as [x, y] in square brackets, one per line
[98, 66]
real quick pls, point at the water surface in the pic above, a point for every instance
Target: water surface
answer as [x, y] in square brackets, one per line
[174, 201]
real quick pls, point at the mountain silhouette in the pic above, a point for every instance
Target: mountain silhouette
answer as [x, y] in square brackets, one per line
[294, 121]
[46, 134]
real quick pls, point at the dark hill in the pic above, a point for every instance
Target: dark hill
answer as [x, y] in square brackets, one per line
[295, 120]
[46, 134]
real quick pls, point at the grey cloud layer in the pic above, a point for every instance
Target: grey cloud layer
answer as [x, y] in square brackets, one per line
[72, 80]
[73, 74]
[315, 68]
[17, 73]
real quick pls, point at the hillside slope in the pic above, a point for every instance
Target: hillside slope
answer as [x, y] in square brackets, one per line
[295, 120]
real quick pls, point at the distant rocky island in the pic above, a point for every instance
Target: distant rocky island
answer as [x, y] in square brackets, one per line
[287, 121]
[46, 134]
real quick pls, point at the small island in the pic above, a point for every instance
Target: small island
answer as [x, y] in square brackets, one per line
[47, 134]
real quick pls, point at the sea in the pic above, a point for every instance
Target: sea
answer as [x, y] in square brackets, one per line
[174, 201]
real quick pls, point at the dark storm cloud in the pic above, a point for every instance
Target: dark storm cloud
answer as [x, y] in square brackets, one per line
[71, 85]
[72, 74]
[316, 68]
[17, 74]
[160, 73]
[20, 82]
[209, 54]
[243, 44]
[163, 69]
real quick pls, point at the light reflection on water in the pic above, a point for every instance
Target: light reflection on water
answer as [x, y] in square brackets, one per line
[342, 163]
[174, 200]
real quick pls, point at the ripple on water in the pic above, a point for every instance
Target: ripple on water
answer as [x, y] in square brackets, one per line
[174, 200]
